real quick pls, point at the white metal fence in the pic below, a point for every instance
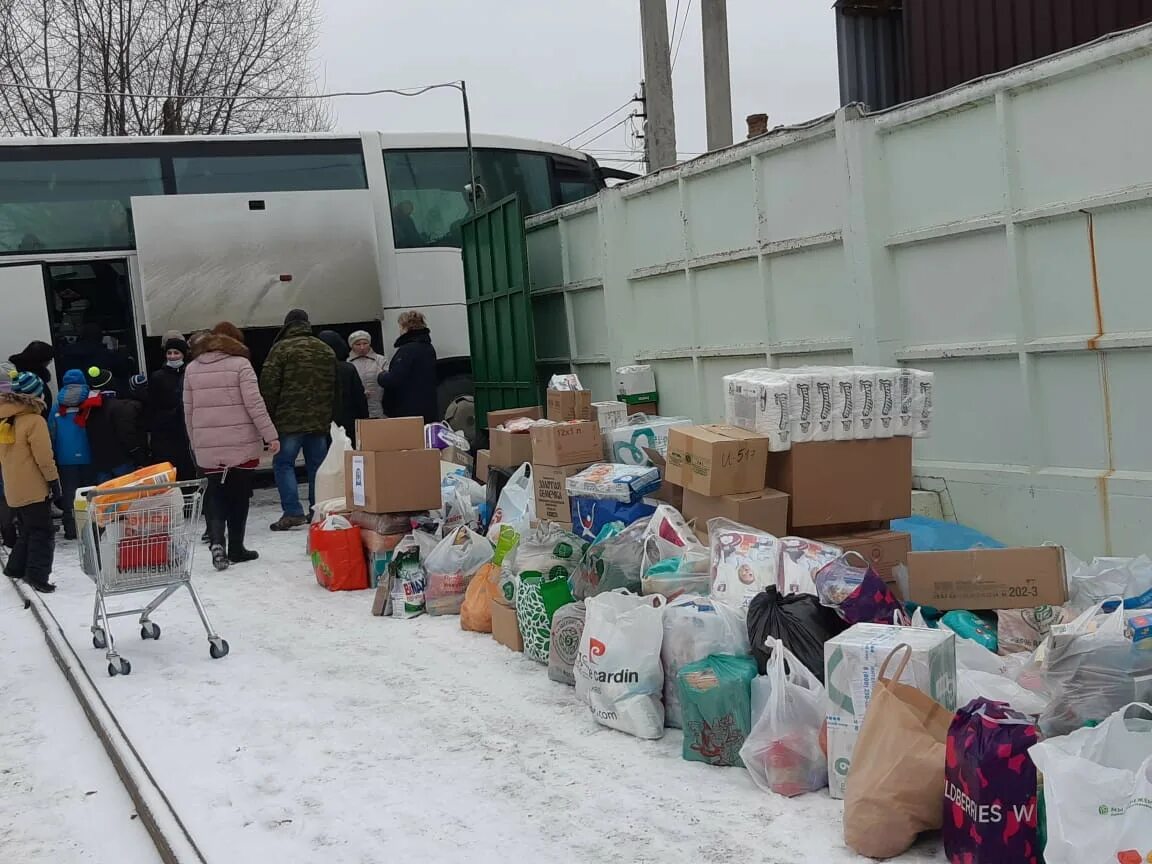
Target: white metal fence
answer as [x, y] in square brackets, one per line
[999, 235]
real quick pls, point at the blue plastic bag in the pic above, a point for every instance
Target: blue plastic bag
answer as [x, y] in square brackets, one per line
[590, 515]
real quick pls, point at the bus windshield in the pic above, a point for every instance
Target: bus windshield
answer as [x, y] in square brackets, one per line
[428, 197]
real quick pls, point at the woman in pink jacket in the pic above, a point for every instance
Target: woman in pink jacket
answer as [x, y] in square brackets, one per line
[229, 428]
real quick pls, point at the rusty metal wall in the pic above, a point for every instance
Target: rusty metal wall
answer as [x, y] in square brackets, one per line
[948, 42]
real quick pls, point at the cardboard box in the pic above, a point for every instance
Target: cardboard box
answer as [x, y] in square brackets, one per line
[498, 418]
[569, 405]
[402, 481]
[483, 460]
[456, 456]
[551, 495]
[766, 510]
[717, 460]
[882, 549]
[652, 409]
[668, 493]
[394, 433]
[631, 380]
[852, 664]
[978, 579]
[508, 449]
[610, 414]
[505, 630]
[567, 443]
[844, 482]
[380, 598]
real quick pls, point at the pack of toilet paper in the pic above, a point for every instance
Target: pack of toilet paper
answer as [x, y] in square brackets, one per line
[829, 403]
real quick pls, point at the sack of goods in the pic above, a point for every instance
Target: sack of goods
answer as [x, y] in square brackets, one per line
[605, 493]
[1098, 790]
[618, 671]
[476, 610]
[798, 621]
[537, 600]
[613, 560]
[990, 792]
[406, 576]
[694, 628]
[784, 752]
[800, 561]
[716, 701]
[896, 782]
[338, 555]
[450, 567]
[745, 561]
[567, 628]
[857, 593]
[515, 505]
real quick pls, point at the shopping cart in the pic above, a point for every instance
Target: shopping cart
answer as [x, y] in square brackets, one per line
[142, 538]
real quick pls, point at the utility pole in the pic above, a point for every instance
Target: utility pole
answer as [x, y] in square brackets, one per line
[660, 128]
[717, 74]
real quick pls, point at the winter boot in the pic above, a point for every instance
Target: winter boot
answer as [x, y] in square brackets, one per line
[237, 523]
[216, 541]
[287, 523]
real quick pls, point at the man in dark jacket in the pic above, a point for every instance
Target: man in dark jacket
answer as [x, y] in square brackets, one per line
[298, 383]
[409, 384]
[351, 402]
[164, 404]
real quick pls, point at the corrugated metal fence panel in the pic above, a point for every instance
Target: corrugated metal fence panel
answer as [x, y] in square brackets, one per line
[949, 42]
[870, 44]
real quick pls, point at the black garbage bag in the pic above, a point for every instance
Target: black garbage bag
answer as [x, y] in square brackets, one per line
[799, 621]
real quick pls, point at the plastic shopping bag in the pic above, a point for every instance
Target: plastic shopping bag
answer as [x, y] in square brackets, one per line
[716, 701]
[857, 593]
[613, 561]
[1019, 630]
[338, 555]
[537, 600]
[330, 474]
[516, 505]
[449, 568]
[745, 561]
[799, 621]
[1098, 790]
[896, 781]
[800, 561]
[990, 791]
[567, 628]
[694, 628]
[618, 671]
[407, 578]
[783, 751]
[485, 586]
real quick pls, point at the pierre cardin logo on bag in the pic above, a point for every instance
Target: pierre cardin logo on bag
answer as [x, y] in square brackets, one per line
[596, 648]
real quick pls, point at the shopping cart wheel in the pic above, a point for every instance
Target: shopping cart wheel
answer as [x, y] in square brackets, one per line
[125, 668]
[99, 640]
[148, 630]
[218, 648]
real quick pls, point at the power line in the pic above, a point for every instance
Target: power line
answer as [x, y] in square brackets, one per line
[676, 53]
[675, 23]
[268, 97]
[616, 125]
[589, 128]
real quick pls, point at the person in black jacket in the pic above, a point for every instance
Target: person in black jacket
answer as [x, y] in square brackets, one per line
[117, 436]
[164, 410]
[351, 403]
[35, 358]
[409, 384]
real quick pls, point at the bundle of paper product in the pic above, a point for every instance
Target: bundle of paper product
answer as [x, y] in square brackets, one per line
[605, 493]
[829, 403]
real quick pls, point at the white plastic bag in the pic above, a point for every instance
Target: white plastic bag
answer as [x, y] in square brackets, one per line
[695, 627]
[1098, 790]
[1105, 578]
[450, 567]
[330, 474]
[617, 670]
[516, 504]
[783, 752]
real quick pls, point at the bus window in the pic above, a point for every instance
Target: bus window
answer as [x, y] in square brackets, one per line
[303, 172]
[575, 179]
[426, 188]
[68, 205]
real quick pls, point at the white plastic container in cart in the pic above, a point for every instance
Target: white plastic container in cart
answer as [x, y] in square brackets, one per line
[87, 552]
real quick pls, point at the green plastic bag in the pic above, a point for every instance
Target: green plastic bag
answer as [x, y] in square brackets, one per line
[716, 706]
[536, 602]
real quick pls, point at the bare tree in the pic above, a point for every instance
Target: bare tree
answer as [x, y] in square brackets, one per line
[108, 67]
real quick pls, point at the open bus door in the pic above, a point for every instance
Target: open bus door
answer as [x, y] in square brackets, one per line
[25, 307]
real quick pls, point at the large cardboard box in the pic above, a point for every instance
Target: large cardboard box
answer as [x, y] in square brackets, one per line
[569, 405]
[401, 481]
[567, 443]
[394, 433]
[844, 482]
[882, 549]
[1021, 578]
[505, 630]
[551, 494]
[483, 460]
[498, 418]
[717, 460]
[668, 493]
[766, 509]
[852, 664]
[508, 449]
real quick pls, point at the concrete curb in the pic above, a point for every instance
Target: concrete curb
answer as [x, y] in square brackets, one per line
[173, 841]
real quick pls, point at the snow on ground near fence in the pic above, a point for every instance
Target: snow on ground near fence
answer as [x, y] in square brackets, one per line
[60, 798]
[331, 735]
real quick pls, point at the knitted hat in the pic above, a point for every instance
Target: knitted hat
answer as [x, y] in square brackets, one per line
[28, 384]
[176, 344]
[138, 383]
[296, 316]
[359, 336]
[98, 378]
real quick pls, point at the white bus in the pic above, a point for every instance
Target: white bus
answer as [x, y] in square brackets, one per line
[119, 240]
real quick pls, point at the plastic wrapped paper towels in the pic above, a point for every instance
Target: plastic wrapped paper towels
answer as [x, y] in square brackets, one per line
[758, 400]
[914, 387]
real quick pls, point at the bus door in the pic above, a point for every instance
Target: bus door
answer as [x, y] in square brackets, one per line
[24, 315]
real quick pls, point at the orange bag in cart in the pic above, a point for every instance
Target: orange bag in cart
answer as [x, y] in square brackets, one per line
[107, 505]
[338, 555]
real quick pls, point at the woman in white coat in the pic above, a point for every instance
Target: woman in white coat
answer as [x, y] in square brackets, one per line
[369, 364]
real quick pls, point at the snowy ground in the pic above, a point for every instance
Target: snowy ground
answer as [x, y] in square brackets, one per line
[330, 735]
[60, 798]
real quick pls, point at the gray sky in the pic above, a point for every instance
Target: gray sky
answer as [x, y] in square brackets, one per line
[547, 68]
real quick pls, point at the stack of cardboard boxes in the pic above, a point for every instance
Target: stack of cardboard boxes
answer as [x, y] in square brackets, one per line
[562, 449]
[392, 472]
[506, 449]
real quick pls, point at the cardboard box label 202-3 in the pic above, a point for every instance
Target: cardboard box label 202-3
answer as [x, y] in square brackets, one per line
[980, 579]
[402, 481]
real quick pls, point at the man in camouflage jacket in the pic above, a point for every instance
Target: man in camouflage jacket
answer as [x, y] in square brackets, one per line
[298, 383]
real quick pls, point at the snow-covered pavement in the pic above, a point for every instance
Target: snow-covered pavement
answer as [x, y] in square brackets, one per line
[329, 735]
[60, 799]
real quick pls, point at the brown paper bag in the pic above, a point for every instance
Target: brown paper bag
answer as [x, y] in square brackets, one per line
[895, 785]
